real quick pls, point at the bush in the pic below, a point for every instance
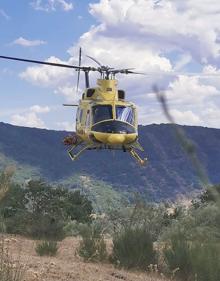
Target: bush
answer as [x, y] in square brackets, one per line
[92, 247]
[133, 248]
[205, 259]
[73, 228]
[193, 260]
[41, 211]
[47, 248]
[177, 256]
[45, 228]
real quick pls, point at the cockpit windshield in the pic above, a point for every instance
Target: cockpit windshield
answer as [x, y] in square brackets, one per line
[101, 112]
[125, 114]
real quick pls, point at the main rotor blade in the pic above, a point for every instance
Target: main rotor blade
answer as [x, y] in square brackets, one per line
[95, 60]
[80, 57]
[126, 71]
[134, 72]
[43, 62]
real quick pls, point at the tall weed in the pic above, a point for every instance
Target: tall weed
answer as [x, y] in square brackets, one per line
[193, 260]
[133, 248]
[92, 247]
[47, 248]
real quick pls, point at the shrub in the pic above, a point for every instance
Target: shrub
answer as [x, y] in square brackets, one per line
[73, 228]
[92, 247]
[45, 227]
[205, 259]
[193, 260]
[47, 248]
[177, 256]
[41, 211]
[133, 248]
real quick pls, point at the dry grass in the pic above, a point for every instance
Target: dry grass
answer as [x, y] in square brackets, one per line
[67, 266]
[11, 268]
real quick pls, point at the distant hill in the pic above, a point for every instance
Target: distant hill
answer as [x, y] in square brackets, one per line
[40, 153]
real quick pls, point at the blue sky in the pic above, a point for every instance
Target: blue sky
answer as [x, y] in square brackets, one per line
[158, 37]
[58, 29]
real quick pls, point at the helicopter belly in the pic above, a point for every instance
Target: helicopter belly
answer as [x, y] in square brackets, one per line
[114, 139]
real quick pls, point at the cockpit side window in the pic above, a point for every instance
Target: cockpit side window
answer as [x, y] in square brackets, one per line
[125, 114]
[88, 119]
[79, 115]
[101, 113]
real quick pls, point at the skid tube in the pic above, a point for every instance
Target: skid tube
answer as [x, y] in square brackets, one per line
[131, 150]
[137, 157]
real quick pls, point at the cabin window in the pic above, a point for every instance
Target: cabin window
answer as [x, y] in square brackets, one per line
[121, 94]
[90, 92]
[125, 114]
[78, 114]
[88, 119]
[101, 113]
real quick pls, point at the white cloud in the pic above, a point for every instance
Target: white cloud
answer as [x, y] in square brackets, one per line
[156, 37]
[30, 118]
[69, 92]
[4, 14]
[67, 126]
[52, 5]
[40, 109]
[61, 80]
[28, 43]
[191, 27]
[211, 116]
[185, 117]
[187, 90]
[48, 76]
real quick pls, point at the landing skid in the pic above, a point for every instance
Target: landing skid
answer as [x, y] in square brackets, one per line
[137, 157]
[77, 149]
[77, 154]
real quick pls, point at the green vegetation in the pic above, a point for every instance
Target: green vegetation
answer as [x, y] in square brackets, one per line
[42, 211]
[102, 195]
[133, 248]
[92, 247]
[177, 256]
[47, 248]
[192, 241]
[181, 242]
[193, 260]
[170, 172]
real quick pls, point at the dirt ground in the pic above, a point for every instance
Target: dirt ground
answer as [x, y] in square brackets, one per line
[67, 265]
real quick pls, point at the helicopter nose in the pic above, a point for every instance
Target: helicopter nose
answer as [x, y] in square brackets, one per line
[116, 139]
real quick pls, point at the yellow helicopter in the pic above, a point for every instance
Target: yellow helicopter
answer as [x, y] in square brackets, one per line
[104, 119]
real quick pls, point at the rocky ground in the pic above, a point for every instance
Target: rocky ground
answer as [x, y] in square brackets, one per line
[67, 265]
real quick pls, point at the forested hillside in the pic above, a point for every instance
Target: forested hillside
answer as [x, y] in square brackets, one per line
[40, 153]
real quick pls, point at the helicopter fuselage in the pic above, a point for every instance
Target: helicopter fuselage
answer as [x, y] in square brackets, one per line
[105, 118]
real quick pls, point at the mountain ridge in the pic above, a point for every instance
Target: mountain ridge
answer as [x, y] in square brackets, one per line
[168, 173]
